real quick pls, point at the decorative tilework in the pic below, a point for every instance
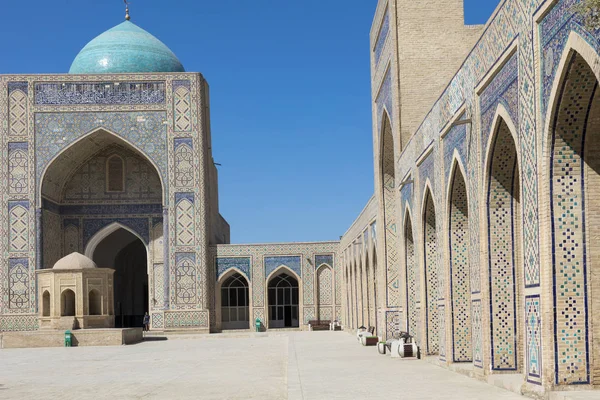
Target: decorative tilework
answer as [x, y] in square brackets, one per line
[477, 334]
[533, 325]
[19, 225]
[323, 259]
[18, 168]
[185, 220]
[184, 162]
[71, 239]
[384, 99]
[13, 323]
[57, 131]
[459, 270]
[431, 276]
[74, 93]
[18, 115]
[186, 319]
[292, 262]
[325, 286]
[183, 117]
[503, 211]
[382, 37]
[571, 255]
[442, 332]
[91, 226]
[224, 264]
[326, 313]
[413, 281]
[157, 321]
[309, 314]
[158, 280]
[308, 284]
[185, 278]
[18, 281]
[259, 313]
[393, 323]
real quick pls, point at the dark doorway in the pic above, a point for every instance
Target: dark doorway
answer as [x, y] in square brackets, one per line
[126, 254]
[283, 302]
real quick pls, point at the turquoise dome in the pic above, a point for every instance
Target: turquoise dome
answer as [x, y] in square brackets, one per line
[126, 48]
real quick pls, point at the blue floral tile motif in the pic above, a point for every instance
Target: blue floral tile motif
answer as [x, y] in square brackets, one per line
[325, 259]
[93, 226]
[57, 131]
[456, 139]
[224, 264]
[71, 222]
[292, 262]
[111, 93]
[22, 86]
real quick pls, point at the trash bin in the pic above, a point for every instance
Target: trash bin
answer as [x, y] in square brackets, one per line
[258, 324]
[68, 340]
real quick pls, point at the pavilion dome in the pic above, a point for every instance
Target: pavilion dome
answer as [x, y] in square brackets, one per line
[126, 48]
[75, 261]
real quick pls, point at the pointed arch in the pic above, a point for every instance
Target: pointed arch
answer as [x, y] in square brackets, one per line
[504, 243]
[572, 141]
[430, 256]
[325, 296]
[460, 287]
[413, 280]
[233, 294]
[284, 298]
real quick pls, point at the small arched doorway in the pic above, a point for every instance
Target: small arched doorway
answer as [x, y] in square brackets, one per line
[283, 301]
[234, 303]
[125, 252]
[67, 303]
[46, 304]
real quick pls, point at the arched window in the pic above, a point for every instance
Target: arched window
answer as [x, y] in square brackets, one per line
[67, 303]
[115, 174]
[94, 303]
[234, 303]
[283, 302]
[46, 304]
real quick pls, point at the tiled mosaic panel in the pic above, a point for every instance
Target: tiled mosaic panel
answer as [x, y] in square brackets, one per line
[185, 219]
[568, 223]
[394, 324]
[183, 108]
[325, 286]
[477, 334]
[292, 262]
[13, 323]
[18, 115]
[19, 234]
[389, 204]
[158, 280]
[309, 314]
[325, 313]
[51, 239]
[533, 326]
[71, 239]
[323, 259]
[455, 141]
[93, 93]
[57, 131]
[338, 314]
[185, 278]
[158, 244]
[184, 162]
[18, 281]
[413, 281]
[308, 284]
[382, 37]
[89, 182]
[338, 284]
[474, 235]
[224, 264]
[459, 270]
[186, 319]
[259, 313]
[431, 278]
[503, 207]
[384, 101]
[157, 321]
[91, 226]
[18, 168]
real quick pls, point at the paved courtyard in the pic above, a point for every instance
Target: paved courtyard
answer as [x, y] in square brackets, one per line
[290, 365]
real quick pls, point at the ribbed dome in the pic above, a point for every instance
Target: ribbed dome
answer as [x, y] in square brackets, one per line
[126, 48]
[75, 261]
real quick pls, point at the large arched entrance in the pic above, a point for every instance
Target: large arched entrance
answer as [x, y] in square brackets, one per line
[575, 204]
[234, 302]
[124, 252]
[102, 196]
[283, 301]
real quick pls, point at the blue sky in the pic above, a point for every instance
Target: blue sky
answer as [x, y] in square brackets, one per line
[290, 95]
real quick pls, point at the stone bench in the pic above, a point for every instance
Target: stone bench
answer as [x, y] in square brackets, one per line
[319, 325]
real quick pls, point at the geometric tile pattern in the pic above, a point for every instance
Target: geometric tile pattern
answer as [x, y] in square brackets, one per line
[184, 162]
[413, 281]
[292, 262]
[325, 286]
[394, 323]
[431, 276]
[569, 224]
[186, 319]
[323, 259]
[157, 321]
[533, 326]
[459, 270]
[442, 316]
[389, 207]
[158, 281]
[18, 111]
[18, 280]
[503, 211]
[308, 283]
[224, 264]
[477, 334]
[15, 323]
[183, 117]
[18, 168]
[75, 93]
[185, 278]
[19, 225]
[185, 219]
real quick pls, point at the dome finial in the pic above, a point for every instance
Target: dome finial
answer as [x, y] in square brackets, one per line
[127, 16]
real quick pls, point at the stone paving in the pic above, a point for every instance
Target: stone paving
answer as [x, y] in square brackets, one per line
[286, 365]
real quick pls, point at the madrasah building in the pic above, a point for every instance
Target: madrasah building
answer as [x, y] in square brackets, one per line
[478, 240]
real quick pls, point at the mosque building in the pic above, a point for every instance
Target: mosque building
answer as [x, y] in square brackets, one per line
[479, 239]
